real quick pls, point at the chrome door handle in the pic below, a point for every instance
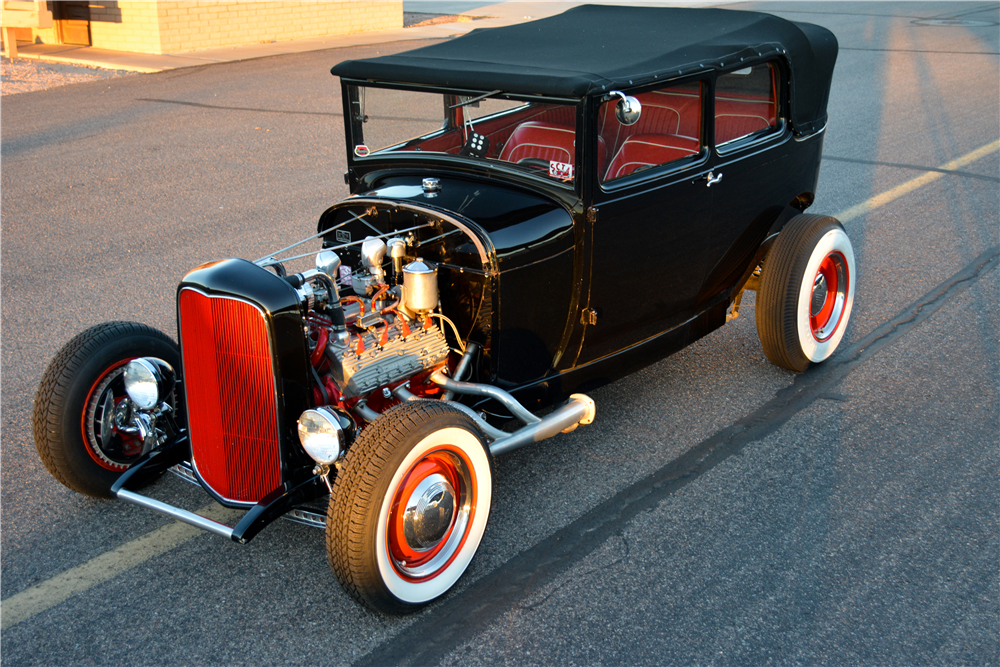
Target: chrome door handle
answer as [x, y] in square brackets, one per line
[713, 179]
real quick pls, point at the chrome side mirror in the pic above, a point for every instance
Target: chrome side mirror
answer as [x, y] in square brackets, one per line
[628, 109]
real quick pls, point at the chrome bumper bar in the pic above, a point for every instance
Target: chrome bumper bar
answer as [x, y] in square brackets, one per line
[196, 520]
[289, 498]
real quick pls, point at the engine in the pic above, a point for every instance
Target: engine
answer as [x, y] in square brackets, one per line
[386, 333]
[383, 354]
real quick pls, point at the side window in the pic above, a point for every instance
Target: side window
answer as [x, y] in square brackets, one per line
[668, 130]
[745, 103]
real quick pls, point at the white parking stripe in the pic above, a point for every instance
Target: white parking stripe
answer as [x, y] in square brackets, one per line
[918, 182]
[49, 593]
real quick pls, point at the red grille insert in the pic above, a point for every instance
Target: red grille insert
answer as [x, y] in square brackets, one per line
[229, 382]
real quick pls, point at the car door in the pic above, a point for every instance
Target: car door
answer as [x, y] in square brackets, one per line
[650, 220]
[758, 169]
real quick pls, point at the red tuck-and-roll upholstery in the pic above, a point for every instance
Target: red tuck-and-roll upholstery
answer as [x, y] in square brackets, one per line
[669, 112]
[536, 139]
[737, 117]
[547, 141]
[647, 150]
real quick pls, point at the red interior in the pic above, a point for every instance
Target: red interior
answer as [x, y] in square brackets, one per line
[737, 117]
[646, 150]
[547, 141]
[499, 130]
[668, 129]
[675, 112]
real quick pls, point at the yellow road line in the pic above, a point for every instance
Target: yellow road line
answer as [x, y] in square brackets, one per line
[918, 182]
[49, 593]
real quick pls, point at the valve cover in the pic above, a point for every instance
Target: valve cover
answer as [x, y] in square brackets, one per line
[376, 366]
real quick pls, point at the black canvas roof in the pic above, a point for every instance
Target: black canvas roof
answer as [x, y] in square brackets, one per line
[593, 49]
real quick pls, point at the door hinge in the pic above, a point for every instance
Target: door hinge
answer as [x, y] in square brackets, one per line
[588, 316]
[592, 215]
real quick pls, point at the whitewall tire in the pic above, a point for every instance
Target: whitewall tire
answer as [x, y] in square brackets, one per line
[806, 292]
[409, 506]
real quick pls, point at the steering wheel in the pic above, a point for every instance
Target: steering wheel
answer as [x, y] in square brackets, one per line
[535, 162]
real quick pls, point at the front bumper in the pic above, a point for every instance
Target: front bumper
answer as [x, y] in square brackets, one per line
[285, 499]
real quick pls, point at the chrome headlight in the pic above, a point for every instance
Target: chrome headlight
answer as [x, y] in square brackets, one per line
[321, 432]
[148, 381]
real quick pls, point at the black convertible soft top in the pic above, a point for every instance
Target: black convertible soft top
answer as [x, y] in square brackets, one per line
[592, 49]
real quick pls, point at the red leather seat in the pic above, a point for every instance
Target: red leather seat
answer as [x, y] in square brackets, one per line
[737, 117]
[648, 150]
[674, 111]
[536, 139]
[547, 141]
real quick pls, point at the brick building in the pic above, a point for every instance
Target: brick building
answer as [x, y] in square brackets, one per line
[172, 26]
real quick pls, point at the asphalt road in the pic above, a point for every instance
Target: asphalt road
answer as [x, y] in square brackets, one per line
[719, 511]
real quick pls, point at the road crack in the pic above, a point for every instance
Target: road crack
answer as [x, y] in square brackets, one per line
[626, 552]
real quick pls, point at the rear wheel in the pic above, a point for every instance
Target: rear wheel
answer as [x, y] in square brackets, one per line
[74, 425]
[409, 506]
[806, 292]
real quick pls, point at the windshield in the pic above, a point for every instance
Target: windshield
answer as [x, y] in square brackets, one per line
[537, 137]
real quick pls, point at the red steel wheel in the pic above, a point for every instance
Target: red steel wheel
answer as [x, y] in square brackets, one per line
[806, 292]
[429, 513]
[829, 296]
[107, 446]
[409, 506]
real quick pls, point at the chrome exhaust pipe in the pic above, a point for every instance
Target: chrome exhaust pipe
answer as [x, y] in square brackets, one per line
[497, 394]
[463, 366]
[580, 409]
[492, 432]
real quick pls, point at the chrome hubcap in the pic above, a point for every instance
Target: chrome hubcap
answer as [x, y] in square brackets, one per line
[429, 513]
[818, 295]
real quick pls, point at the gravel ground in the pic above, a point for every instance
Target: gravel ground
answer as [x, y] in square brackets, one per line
[25, 75]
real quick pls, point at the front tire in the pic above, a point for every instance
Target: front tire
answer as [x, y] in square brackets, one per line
[74, 430]
[409, 506]
[806, 292]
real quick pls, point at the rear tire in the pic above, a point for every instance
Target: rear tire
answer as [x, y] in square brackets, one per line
[409, 506]
[806, 292]
[76, 443]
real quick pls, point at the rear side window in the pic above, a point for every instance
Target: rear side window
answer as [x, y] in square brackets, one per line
[745, 103]
[668, 131]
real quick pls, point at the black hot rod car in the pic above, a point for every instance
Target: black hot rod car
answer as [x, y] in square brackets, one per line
[536, 210]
